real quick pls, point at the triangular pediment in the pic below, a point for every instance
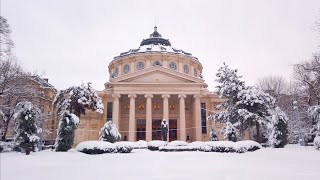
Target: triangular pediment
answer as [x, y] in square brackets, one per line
[158, 75]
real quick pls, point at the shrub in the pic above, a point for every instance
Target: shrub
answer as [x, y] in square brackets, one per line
[177, 143]
[177, 148]
[6, 146]
[124, 147]
[96, 147]
[140, 144]
[154, 145]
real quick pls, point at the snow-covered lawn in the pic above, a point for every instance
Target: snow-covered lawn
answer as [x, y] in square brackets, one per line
[290, 163]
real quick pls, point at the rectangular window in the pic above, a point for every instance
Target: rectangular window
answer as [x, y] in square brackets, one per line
[109, 111]
[204, 118]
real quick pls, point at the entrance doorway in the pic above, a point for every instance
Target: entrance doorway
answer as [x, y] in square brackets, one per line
[156, 129]
[172, 129]
[141, 129]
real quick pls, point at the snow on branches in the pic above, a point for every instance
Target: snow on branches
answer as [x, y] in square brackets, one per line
[109, 132]
[77, 99]
[26, 129]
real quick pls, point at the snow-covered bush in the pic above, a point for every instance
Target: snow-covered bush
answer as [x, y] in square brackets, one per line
[230, 132]
[6, 146]
[177, 143]
[229, 146]
[279, 134]
[26, 130]
[178, 148]
[124, 147]
[67, 126]
[96, 147]
[213, 135]
[316, 142]
[154, 145]
[314, 113]
[140, 144]
[247, 145]
[109, 132]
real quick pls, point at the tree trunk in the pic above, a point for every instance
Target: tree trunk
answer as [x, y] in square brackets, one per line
[259, 140]
[5, 130]
[27, 151]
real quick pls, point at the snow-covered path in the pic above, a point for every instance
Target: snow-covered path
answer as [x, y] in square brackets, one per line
[269, 164]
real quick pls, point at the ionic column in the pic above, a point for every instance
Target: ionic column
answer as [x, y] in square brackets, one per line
[166, 108]
[183, 136]
[148, 117]
[197, 117]
[115, 109]
[132, 117]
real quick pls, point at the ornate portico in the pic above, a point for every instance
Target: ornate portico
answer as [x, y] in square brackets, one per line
[155, 82]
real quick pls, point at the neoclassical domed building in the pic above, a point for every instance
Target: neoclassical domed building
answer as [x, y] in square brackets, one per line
[154, 82]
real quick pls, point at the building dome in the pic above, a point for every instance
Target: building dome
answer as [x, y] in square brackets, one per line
[155, 44]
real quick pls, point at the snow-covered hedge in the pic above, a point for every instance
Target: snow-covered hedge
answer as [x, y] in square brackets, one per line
[100, 147]
[140, 144]
[124, 147]
[212, 146]
[6, 146]
[177, 143]
[229, 146]
[317, 142]
[154, 145]
[96, 147]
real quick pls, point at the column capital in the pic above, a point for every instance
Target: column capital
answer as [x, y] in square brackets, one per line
[197, 96]
[148, 95]
[165, 96]
[182, 96]
[132, 96]
[116, 95]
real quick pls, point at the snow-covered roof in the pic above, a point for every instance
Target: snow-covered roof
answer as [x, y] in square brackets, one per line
[42, 82]
[155, 44]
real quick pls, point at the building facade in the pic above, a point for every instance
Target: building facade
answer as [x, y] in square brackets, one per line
[38, 91]
[149, 84]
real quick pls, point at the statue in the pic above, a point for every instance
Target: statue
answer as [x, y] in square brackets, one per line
[164, 130]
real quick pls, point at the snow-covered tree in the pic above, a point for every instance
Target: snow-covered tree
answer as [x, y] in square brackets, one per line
[26, 130]
[67, 126]
[230, 132]
[243, 107]
[279, 129]
[314, 113]
[229, 88]
[71, 104]
[213, 135]
[254, 109]
[109, 132]
[77, 99]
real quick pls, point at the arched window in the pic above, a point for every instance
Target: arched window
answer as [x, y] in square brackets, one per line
[195, 72]
[186, 68]
[157, 63]
[173, 66]
[126, 68]
[140, 65]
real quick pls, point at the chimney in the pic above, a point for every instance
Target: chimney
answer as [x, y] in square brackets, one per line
[46, 79]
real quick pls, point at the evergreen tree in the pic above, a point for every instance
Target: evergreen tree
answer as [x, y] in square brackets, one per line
[109, 132]
[314, 113]
[67, 126]
[244, 106]
[279, 133]
[26, 130]
[230, 132]
[213, 135]
[71, 104]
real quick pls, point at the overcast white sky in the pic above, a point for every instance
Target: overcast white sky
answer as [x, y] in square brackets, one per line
[73, 41]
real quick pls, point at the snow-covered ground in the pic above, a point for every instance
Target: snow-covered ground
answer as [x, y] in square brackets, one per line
[292, 162]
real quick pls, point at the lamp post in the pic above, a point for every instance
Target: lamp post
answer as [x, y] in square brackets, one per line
[297, 115]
